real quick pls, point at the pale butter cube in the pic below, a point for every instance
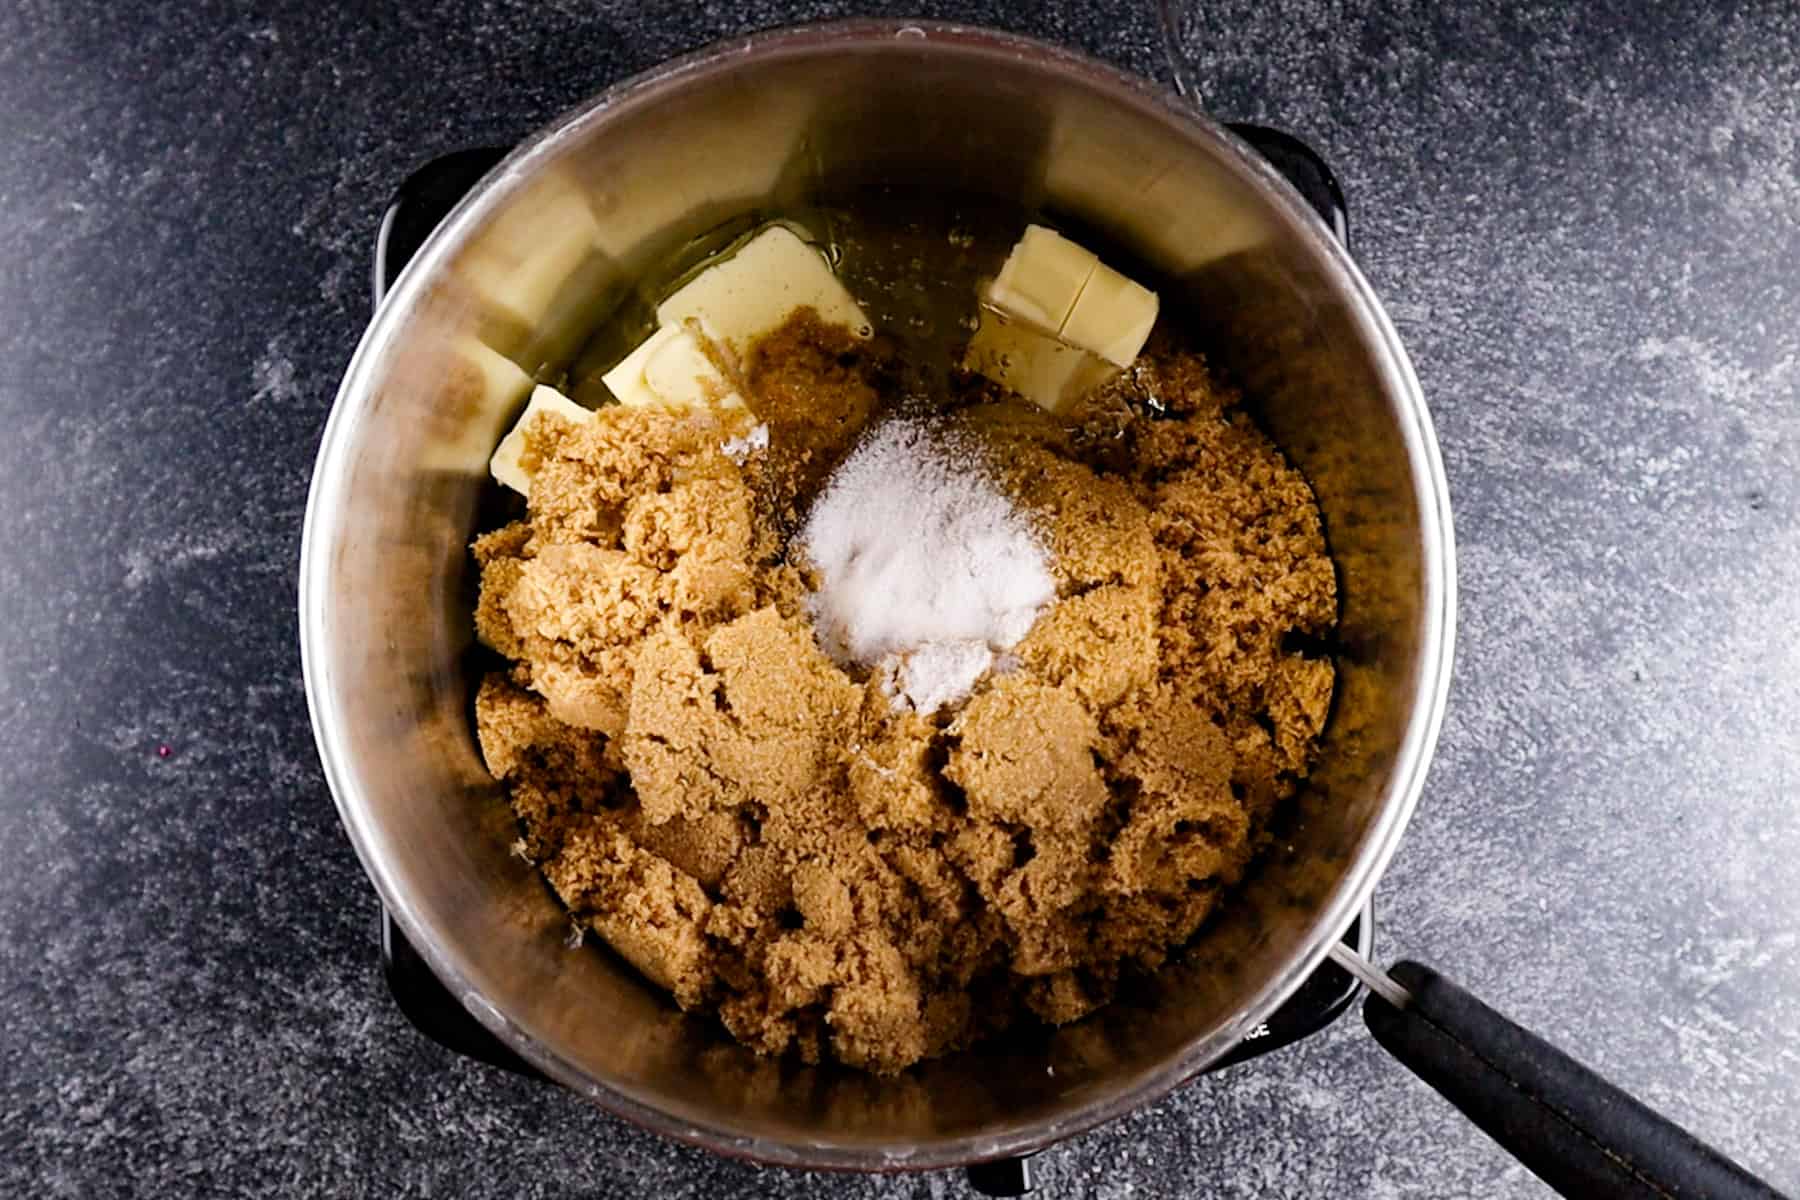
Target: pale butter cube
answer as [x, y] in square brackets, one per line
[683, 375]
[1045, 371]
[626, 381]
[505, 465]
[1042, 278]
[753, 292]
[1112, 317]
[671, 369]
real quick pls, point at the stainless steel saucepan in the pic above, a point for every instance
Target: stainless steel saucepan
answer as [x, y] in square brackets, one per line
[549, 245]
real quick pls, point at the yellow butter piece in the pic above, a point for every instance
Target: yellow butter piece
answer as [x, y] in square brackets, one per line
[626, 381]
[1112, 317]
[1049, 373]
[1042, 278]
[754, 290]
[682, 375]
[1058, 321]
[671, 368]
[505, 465]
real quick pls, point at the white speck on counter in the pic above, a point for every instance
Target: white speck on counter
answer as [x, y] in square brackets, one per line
[273, 376]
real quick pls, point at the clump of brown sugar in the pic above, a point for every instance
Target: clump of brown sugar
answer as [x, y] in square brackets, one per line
[816, 388]
[769, 837]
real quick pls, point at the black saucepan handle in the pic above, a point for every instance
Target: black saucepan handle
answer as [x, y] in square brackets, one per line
[1301, 166]
[1579, 1133]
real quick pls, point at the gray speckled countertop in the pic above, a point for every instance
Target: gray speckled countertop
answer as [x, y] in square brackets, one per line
[1585, 221]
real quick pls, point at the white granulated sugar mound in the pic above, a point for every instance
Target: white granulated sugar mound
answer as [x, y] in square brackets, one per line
[927, 570]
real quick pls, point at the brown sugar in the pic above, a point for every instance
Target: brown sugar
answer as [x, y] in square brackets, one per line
[767, 836]
[815, 388]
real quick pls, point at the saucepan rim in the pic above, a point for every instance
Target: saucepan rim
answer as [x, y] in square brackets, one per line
[328, 501]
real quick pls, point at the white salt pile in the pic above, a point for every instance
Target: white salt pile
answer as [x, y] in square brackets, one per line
[927, 570]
